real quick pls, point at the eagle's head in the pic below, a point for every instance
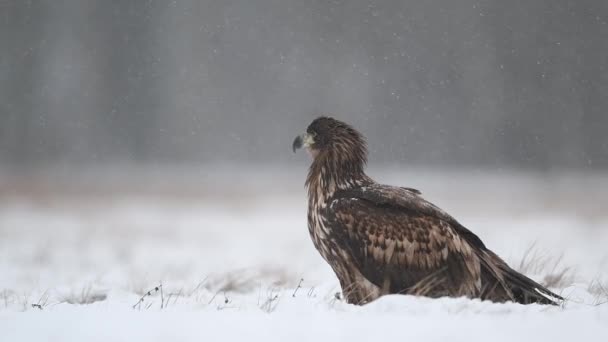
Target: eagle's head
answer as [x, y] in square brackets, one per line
[331, 141]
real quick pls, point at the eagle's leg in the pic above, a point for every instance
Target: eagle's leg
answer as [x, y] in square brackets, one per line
[356, 289]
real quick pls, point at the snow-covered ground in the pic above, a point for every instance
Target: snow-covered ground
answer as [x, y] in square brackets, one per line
[235, 262]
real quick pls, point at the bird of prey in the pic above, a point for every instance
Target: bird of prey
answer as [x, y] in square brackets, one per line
[381, 239]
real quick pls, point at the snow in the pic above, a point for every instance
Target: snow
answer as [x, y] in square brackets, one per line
[235, 266]
[394, 317]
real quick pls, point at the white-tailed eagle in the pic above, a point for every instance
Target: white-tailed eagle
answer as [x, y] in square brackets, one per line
[382, 239]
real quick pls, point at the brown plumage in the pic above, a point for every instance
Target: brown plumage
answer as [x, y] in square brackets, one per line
[381, 239]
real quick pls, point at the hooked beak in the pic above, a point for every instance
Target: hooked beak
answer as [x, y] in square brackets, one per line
[304, 140]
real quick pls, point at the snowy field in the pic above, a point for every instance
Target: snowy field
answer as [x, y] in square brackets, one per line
[225, 255]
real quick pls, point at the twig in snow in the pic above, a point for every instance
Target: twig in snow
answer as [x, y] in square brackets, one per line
[162, 297]
[40, 305]
[147, 294]
[272, 298]
[212, 298]
[178, 295]
[337, 296]
[198, 285]
[297, 288]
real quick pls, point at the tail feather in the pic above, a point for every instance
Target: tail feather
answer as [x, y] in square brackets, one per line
[527, 291]
[516, 286]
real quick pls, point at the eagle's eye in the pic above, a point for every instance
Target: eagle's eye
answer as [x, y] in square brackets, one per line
[321, 139]
[325, 131]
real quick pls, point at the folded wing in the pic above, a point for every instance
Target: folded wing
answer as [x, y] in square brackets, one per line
[405, 244]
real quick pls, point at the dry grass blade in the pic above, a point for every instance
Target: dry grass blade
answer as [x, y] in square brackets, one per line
[600, 291]
[272, 301]
[147, 294]
[553, 273]
[86, 296]
[8, 297]
[297, 288]
[42, 301]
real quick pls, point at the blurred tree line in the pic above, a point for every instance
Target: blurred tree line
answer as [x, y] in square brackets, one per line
[470, 82]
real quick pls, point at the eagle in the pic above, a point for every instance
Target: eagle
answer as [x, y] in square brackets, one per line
[381, 239]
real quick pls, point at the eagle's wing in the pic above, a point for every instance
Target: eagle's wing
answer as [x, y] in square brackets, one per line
[408, 201]
[402, 243]
[398, 239]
